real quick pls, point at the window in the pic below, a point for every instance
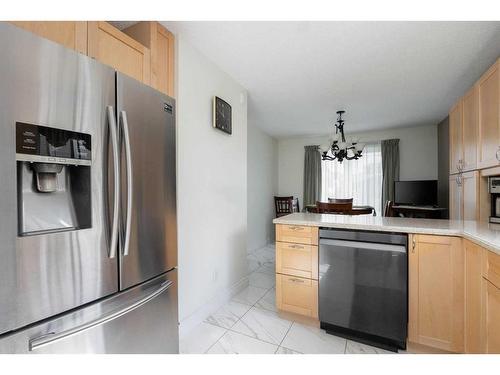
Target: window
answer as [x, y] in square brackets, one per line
[359, 179]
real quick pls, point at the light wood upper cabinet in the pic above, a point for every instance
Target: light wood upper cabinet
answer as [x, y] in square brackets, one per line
[473, 281]
[71, 34]
[489, 122]
[456, 137]
[161, 43]
[436, 292]
[112, 47]
[470, 124]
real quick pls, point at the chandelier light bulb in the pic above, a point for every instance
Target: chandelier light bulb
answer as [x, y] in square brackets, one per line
[339, 148]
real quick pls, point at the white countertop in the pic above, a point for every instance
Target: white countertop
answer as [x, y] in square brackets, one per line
[484, 234]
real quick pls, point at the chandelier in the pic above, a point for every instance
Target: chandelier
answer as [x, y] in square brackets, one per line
[338, 148]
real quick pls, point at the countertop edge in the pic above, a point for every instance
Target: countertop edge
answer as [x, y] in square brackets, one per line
[493, 247]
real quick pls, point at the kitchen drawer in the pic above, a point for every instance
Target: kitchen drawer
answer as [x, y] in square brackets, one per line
[491, 267]
[297, 260]
[297, 295]
[297, 234]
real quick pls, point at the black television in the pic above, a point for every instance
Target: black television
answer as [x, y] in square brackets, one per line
[416, 193]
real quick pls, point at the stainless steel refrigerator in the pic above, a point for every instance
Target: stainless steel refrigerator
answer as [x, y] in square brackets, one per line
[88, 246]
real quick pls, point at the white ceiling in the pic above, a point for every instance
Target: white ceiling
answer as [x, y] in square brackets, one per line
[384, 74]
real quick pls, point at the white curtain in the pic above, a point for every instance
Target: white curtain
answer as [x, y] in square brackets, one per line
[358, 179]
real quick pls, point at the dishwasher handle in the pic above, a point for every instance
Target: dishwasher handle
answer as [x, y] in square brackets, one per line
[364, 245]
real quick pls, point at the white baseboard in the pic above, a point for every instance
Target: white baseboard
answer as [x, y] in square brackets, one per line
[187, 324]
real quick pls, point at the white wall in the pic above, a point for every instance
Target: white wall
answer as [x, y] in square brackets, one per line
[262, 172]
[211, 182]
[417, 148]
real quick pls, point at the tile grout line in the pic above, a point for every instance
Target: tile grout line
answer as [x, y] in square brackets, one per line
[211, 346]
[283, 339]
[251, 306]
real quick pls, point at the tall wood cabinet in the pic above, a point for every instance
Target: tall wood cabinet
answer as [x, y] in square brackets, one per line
[470, 124]
[114, 48]
[470, 195]
[489, 117]
[464, 191]
[71, 34]
[456, 138]
[456, 197]
[436, 292]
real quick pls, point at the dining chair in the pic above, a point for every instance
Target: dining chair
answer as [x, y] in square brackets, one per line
[388, 211]
[343, 208]
[283, 205]
[340, 200]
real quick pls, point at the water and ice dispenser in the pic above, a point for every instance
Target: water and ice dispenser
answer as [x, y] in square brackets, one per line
[53, 179]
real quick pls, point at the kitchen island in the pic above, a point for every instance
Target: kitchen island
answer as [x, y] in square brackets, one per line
[453, 276]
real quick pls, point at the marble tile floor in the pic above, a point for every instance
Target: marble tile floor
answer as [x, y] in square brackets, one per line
[249, 324]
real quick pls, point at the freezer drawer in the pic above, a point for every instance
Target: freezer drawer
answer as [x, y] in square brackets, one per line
[141, 320]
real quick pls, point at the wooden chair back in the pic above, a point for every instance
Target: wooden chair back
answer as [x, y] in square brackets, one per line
[283, 205]
[334, 208]
[388, 209]
[338, 200]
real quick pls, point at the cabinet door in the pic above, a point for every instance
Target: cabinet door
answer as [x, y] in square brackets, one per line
[436, 292]
[473, 280]
[297, 295]
[489, 124]
[70, 34]
[162, 60]
[456, 202]
[297, 260]
[161, 43]
[490, 317]
[470, 193]
[470, 129]
[456, 137]
[112, 47]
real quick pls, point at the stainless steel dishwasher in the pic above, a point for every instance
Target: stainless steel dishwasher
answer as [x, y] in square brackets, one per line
[363, 286]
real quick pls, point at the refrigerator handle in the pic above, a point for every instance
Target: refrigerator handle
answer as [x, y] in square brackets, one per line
[128, 157]
[116, 171]
[51, 337]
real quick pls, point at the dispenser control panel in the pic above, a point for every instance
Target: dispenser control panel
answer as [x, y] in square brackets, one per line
[36, 143]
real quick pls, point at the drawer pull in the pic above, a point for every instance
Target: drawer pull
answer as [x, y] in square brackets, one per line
[296, 280]
[296, 247]
[296, 228]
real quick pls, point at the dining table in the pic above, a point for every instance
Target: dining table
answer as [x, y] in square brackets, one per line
[356, 210]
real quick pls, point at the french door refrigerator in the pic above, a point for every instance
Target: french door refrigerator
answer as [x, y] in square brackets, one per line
[88, 201]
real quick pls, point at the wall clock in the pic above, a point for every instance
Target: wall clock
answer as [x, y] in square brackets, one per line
[222, 115]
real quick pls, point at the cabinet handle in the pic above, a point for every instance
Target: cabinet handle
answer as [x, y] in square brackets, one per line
[296, 247]
[460, 165]
[413, 244]
[296, 280]
[296, 228]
